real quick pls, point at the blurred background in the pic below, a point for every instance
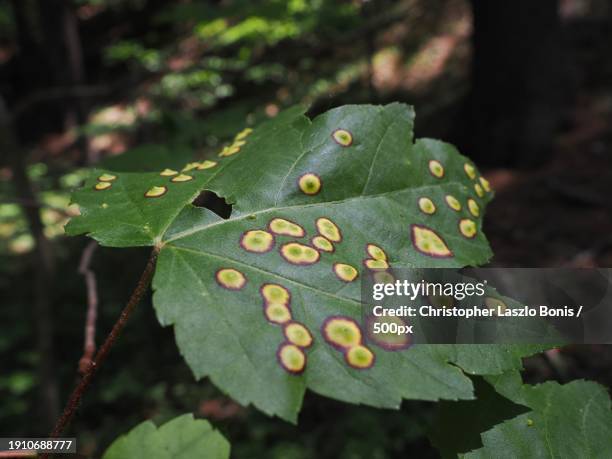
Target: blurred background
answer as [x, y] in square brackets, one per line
[524, 88]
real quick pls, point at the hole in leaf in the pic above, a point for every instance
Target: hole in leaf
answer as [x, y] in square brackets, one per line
[210, 201]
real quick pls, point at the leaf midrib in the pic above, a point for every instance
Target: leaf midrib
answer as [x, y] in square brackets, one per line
[197, 229]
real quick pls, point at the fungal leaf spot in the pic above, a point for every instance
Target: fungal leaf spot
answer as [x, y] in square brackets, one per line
[479, 190]
[343, 137]
[453, 202]
[473, 207]
[284, 227]
[257, 241]
[427, 206]
[428, 242]
[291, 358]
[296, 333]
[243, 134]
[341, 332]
[156, 192]
[376, 264]
[277, 313]
[436, 169]
[168, 172]
[230, 278]
[376, 252]
[101, 186]
[107, 178]
[181, 178]
[327, 228]
[485, 184]
[323, 244]
[310, 184]
[206, 165]
[299, 254]
[190, 166]
[229, 151]
[345, 272]
[470, 171]
[275, 293]
[467, 227]
[359, 357]
[388, 340]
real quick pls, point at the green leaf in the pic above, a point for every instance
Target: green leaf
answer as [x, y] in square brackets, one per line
[368, 179]
[566, 421]
[182, 437]
[458, 425]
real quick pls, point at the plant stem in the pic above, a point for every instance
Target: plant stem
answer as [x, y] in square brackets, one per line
[79, 390]
[89, 348]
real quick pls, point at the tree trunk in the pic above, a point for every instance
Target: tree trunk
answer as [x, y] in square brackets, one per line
[518, 81]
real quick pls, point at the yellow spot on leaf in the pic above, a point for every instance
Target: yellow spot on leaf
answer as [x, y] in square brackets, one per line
[181, 178]
[474, 208]
[257, 241]
[322, 243]
[427, 242]
[346, 273]
[329, 229]
[156, 192]
[274, 293]
[376, 264]
[485, 184]
[427, 206]
[285, 227]
[243, 134]
[102, 186]
[229, 150]
[298, 334]
[230, 278]
[470, 171]
[479, 190]
[299, 254]
[343, 137]
[453, 202]
[389, 340]
[168, 173]
[310, 184]
[359, 357]
[291, 358]
[107, 178]
[341, 332]
[436, 168]
[376, 252]
[467, 227]
[277, 313]
[206, 165]
[190, 166]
